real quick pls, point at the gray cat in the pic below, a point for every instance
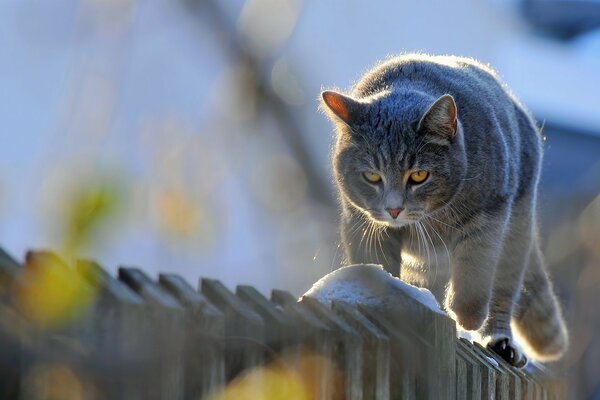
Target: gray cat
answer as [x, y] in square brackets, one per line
[437, 166]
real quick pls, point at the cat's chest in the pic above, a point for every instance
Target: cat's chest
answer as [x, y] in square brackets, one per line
[429, 242]
[426, 256]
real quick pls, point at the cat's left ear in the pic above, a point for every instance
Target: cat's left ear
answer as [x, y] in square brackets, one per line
[343, 107]
[441, 117]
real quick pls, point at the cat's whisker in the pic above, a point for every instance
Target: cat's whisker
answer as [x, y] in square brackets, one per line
[445, 224]
[425, 244]
[380, 236]
[335, 254]
[365, 230]
[444, 243]
[434, 250]
[356, 228]
[372, 246]
[449, 258]
[368, 238]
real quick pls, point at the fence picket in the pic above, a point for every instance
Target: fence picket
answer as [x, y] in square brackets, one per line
[138, 338]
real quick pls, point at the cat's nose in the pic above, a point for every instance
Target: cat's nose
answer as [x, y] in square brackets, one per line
[394, 212]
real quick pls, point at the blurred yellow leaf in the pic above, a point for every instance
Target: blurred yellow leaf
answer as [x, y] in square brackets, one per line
[86, 210]
[52, 381]
[51, 294]
[177, 212]
[298, 375]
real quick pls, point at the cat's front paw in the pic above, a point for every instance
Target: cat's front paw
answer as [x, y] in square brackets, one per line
[509, 351]
[469, 314]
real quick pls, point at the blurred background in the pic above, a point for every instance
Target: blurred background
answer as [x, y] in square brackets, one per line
[183, 136]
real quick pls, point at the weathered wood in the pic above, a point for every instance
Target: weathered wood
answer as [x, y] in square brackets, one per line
[41, 340]
[542, 379]
[397, 302]
[376, 352]
[462, 385]
[488, 372]
[431, 337]
[318, 339]
[525, 390]
[114, 325]
[9, 271]
[347, 346]
[408, 361]
[12, 334]
[164, 318]
[474, 382]
[204, 329]
[142, 339]
[244, 329]
[283, 330]
[514, 381]
[502, 378]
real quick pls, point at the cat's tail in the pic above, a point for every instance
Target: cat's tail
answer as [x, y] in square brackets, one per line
[538, 318]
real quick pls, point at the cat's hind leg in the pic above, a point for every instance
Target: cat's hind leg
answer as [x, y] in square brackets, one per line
[538, 318]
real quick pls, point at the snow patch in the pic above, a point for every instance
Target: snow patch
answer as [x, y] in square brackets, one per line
[367, 284]
[492, 361]
[462, 334]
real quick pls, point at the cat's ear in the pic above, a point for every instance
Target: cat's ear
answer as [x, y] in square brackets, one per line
[343, 107]
[441, 117]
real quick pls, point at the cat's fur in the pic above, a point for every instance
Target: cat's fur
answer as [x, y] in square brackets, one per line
[469, 232]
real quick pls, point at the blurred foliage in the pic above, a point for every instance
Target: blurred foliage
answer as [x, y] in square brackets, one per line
[54, 382]
[50, 294]
[92, 206]
[296, 376]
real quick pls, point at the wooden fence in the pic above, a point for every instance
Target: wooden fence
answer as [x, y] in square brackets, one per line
[135, 337]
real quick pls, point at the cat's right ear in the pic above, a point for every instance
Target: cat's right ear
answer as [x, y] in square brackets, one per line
[441, 117]
[342, 107]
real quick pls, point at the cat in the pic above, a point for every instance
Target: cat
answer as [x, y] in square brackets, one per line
[437, 166]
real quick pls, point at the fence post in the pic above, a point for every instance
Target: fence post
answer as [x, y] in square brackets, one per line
[244, 329]
[114, 327]
[542, 381]
[489, 379]
[376, 352]
[282, 329]
[347, 346]
[407, 358]
[479, 383]
[513, 382]
[13, 354]
[204, 329]
[164, 317]
[143, 339]
[318, 337]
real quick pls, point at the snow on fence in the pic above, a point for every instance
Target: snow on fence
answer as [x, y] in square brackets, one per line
[135, 337]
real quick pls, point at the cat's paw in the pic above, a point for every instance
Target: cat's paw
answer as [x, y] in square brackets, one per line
[508, 350]
[469, 315]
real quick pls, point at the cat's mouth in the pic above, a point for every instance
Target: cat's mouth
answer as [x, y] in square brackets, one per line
[404, 219]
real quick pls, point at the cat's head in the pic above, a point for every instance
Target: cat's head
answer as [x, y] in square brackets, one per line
[398, 157]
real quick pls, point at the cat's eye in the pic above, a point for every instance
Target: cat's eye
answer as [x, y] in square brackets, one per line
[419, 176]
[372, 177]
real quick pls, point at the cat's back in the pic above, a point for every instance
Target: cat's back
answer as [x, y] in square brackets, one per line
[463, 77]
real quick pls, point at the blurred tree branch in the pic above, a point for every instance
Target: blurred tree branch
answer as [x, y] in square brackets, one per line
[289, 127]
